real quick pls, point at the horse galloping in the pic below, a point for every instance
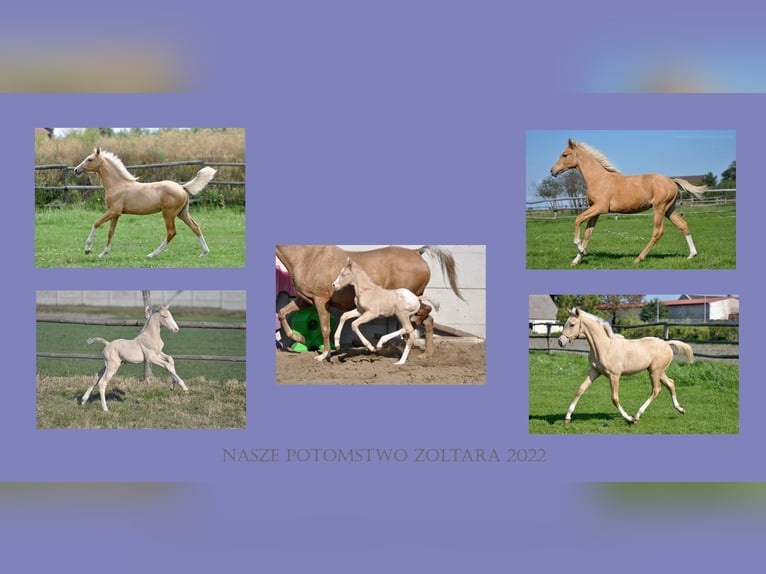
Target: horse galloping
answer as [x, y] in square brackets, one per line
[373, 301]
[125, 195]
[147, 346]
[613, 355]
[312, 270]
[609, 191]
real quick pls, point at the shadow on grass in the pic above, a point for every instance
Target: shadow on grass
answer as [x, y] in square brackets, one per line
[585, 417]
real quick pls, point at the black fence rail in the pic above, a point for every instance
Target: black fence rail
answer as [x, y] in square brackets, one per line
[60, 194]
[704, 348]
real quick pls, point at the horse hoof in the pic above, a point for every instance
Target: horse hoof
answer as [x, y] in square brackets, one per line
[567, 421]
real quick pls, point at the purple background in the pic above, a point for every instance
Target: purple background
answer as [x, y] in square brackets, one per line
[414, 113]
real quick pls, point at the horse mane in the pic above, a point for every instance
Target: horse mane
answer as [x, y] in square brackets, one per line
[118, 165]
[606, 325]
[599, 157]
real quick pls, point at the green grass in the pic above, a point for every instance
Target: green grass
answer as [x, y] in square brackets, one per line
[60, 239]
[617, 240]
[708, 390]
[217, 388]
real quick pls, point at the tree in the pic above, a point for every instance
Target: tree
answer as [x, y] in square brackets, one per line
[566, 302]
[710, 180]
[574, 186]
[653, 311]
[613, 303]
[570, 184]
[550, 188]
[729, 176]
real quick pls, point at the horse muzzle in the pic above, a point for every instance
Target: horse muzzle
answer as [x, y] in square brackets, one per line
[563, 341]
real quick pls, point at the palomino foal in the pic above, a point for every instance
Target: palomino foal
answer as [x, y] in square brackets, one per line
[147, 346]
[609, 191]
[372, 301]
[613, 355]
[124, 194]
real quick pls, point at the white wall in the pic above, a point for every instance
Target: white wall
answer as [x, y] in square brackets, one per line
[468, 315]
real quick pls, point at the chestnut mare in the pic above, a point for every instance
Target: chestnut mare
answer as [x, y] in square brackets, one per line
[609, 191]
[372, 301]
[613, 355]
[125, 195]
[313, 268]
[147, 346]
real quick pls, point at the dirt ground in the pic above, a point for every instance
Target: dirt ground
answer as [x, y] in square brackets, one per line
[455, 361]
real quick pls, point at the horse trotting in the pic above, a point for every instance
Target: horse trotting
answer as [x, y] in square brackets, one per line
[147, 346]
[609, 191]
[125, 195]
[373, 301]
[612, 355]
[312, 270]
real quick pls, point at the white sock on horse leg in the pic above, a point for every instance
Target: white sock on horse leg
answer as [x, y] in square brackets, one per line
[692, 249]
[203, 243]
[160, 249]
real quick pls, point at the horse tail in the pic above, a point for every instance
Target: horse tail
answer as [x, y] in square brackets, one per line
[97, 340]
[684, 348]
[447, 262]
[695, 190]
[200, 180]
[430, 302]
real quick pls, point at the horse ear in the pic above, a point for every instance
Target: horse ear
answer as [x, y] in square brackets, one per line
[571, 143]
[148, 311]
[97, 150]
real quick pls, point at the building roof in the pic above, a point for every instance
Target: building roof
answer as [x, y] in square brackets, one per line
[542, 307]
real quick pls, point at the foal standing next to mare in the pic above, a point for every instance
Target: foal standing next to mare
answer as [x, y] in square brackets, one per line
[125, 195]
[372, 301]
[609, 191]
[147, 346]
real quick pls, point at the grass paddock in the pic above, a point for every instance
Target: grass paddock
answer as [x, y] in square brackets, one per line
[708, 390]
[618, 239]
[60, 239]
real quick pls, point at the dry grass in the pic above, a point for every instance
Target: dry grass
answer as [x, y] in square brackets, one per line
[136, 147]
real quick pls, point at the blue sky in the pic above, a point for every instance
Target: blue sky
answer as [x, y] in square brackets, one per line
[670, 152]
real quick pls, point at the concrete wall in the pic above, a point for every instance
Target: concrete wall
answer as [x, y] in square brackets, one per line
[468, 315]
[227, 300]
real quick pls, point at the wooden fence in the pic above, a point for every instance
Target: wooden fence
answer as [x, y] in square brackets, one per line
[67, 170]
[563, 207]
[138, 323]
